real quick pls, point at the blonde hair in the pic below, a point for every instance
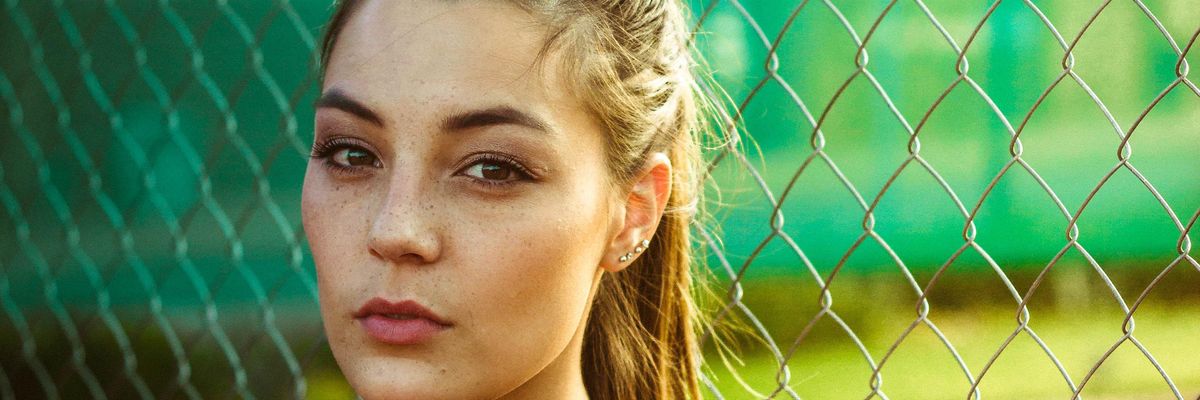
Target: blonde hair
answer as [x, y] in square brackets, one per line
[632, 64]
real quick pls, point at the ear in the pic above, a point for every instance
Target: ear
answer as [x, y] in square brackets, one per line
[644, 207]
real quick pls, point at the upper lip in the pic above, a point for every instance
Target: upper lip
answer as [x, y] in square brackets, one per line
[381, 306]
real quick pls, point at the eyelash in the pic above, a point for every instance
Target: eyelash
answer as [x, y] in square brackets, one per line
[324, 150]
[507, 161]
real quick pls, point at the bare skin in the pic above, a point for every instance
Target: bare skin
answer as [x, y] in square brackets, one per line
[451, 172]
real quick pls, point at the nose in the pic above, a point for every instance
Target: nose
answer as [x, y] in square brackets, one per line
[404, 228]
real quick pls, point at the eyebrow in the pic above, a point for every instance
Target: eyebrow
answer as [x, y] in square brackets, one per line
[491, 116]
[335, 98]
[498, 115]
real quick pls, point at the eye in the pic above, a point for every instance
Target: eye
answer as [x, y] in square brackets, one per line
[346, 155]
[353, 157]
[495, 169]
[490, 171]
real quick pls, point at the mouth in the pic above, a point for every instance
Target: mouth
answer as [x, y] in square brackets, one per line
[399, 323]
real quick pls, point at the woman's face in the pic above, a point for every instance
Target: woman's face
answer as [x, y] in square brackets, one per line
[453, 173]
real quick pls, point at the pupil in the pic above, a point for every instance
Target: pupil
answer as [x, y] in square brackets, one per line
[358, 158]
[494, 172]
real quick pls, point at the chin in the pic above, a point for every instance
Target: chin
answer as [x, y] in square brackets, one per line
[398, 392]
[394, 386]
[387, 378]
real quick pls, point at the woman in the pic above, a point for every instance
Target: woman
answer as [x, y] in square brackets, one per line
[499, 199]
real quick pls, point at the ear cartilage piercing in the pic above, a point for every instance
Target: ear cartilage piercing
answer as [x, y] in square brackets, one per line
[640, 248]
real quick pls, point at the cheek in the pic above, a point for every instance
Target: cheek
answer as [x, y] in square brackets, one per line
[546, 242]
[332, 218]
[539, 254]
[526, 275]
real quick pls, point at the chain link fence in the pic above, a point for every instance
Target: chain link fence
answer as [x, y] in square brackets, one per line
[969, 163]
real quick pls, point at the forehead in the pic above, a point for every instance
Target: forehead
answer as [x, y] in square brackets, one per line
[401, 54]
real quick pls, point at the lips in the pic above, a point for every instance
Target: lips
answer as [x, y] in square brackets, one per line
[399, 323]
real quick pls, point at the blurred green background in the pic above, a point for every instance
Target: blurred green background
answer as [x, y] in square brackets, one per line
[151, 161]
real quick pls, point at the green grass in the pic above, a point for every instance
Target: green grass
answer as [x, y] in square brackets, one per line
[922, 368]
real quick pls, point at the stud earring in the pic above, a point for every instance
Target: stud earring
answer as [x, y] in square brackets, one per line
[636, 250]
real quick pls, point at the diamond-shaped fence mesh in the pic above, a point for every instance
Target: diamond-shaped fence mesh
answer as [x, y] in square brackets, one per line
[921, 199]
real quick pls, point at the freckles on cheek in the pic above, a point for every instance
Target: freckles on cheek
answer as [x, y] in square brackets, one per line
[327, 202]
[496, 241]
[336, 224]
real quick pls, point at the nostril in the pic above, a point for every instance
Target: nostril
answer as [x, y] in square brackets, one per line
[406, 248]
[402, 234]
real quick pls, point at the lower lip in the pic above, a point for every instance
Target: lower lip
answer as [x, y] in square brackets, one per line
[400, 331]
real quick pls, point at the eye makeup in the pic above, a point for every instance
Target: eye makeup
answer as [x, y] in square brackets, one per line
[349, 157]
[496, 169]
[345, 155]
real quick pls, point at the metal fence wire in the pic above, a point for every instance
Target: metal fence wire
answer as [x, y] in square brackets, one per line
[151, 158]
